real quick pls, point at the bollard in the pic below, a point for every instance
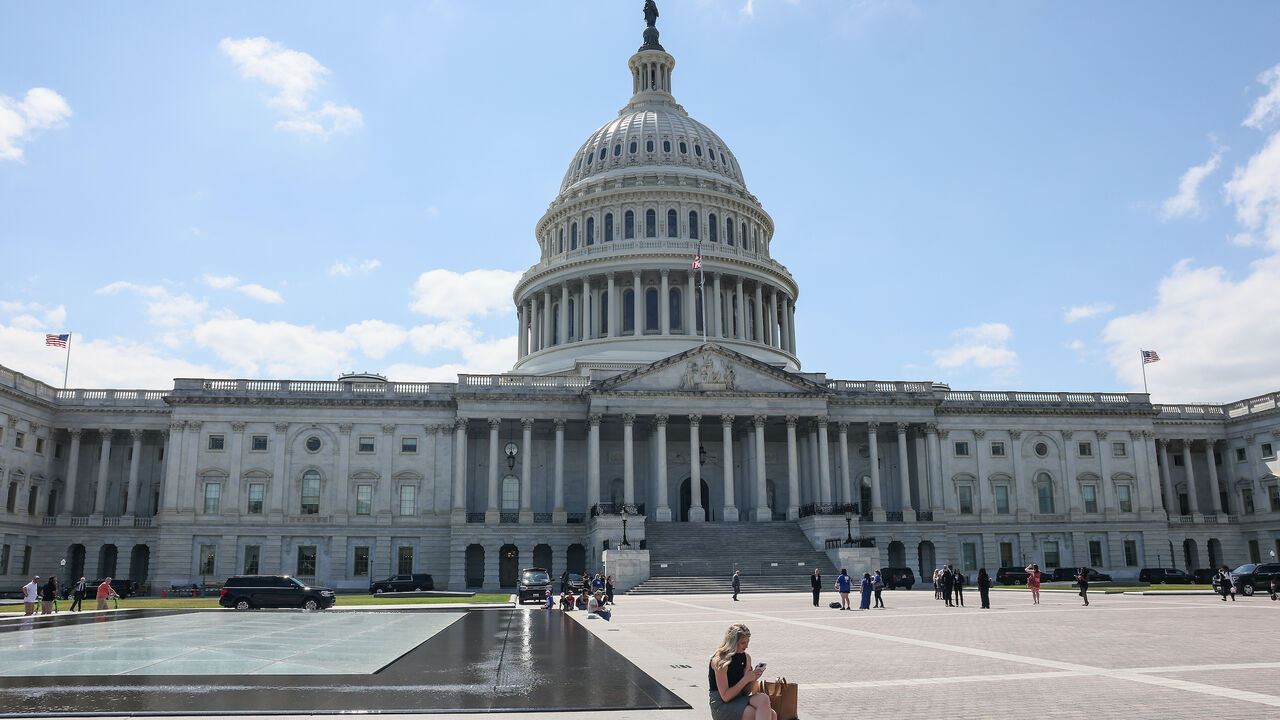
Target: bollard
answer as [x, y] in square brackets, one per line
[162, 592]
[195, 593]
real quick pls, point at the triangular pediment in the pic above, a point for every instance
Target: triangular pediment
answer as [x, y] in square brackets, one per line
[710, 369]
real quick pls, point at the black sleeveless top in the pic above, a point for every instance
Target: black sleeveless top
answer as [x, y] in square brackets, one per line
[734, 672]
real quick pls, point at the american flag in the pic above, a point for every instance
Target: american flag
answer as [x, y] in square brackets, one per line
[697, 261]
[57, 340]
[1149, 356]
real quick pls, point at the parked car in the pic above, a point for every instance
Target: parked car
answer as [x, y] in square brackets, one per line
[1014, 576]
[1167, 576]
[571, 582]
[1255, 577]
[402, 583]
[124, 587]
[1069, 575]
[899, 577]
[534, 583]
[244, 592]
[1204, 576]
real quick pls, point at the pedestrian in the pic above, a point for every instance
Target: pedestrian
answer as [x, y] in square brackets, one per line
[596, 605]
[946, 581]
[551, 601]
[29, 593]
[49, 595]
[732, 678]
[877, 586]
[1082, 578]
[1033, 582]
[106, 591]
[957, 588]
[984, 588]
[815, 582]
[937, 583]
[866, 592]
[737, 584]
[566, 602]
[608, 589]
[77, 595]
[843, 585]
[1222, 581]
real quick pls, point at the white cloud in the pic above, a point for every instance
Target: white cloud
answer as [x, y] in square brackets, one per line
[447, 294]
[1255, 191]
[1084, 312]
[294, 76]
[259, 293]
[97, 362]
[1268, 106]
[1187, 203]
[165, 309]
[749, 9]
[982, 346]
[1076, 345]
[346, 269]
[22, 120]
[214, 281]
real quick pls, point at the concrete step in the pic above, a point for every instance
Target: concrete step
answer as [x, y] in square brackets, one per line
[719, 584]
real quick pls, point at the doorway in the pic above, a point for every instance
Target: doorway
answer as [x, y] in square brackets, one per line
[686, 499]
[508, 566]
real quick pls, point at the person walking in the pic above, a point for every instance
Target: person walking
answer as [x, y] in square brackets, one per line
[737, 584]
[946, 580]
[843, 585]
[957, 588]
[1082, 579]
[1223, 582]
[937, 583]
[49, 595]
[77, 595]
[984, 588]
[608, 589]
[866, 592]
[1033, 582]
[815, 582]
[732, 677]
[29, 593]
[877, 586]
[106, 591]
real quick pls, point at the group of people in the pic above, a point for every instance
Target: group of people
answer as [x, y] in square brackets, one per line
[868, 585]
[597, 594]
[948, 586]
[47, 595]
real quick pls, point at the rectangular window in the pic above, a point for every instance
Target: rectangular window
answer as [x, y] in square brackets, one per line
[1184, 505]
[1124, 499]
[208, 559]
[1254, 555]
[20, 438]
[311, 494]
[360, 564]
[1246, 500]
[26, 560]
[408, 445]
[306, 561]
[1217, 458]
[4, 559]
[256, 491]
[404, 562]
[970, 552]
[1268, 452]
[1131, 553]
[364, 499]
[1095, 554]
[1242, 455]
[1044, 493]
[1090, 498]
[997, 449]
[1051, 559]
[1273, 494]
[1224, 497]
[212, 495]
[1086, 449]
[1002, 499]
[1177, 460]
[962, 448]
[966, 499]
[39, 446]
[251, 555]
[408, 494]
[366, 444]
[1119, 449]
[31, 501]
[1006, 554]
[216, 442]
[258, 443]
[57, 451]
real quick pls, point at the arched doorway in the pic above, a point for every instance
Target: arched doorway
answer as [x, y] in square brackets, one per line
[686, 499]
[140, 564]
[928, 559]
[475, 566]
[508, 566]
[75, 562]
[771, 497]
[542, 557]
[1191, 554]
[897, 554]
[107, 561]
[864, 496]
[1215, 552]
[575, 559]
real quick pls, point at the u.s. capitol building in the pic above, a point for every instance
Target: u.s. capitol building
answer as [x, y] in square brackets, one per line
[633, 407]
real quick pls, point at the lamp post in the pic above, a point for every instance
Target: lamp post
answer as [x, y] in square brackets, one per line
[848, 524]
[627, 510]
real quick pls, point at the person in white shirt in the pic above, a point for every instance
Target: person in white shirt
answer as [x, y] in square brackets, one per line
[29, 592]
[596, 605]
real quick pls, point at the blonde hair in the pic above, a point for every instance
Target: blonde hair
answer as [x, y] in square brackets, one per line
[729, 645]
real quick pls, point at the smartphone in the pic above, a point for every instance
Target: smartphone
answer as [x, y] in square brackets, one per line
[760, 666]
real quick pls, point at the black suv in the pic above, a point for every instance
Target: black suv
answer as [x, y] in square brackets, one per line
[1014, 576]
[402, 583]
[1069, 575]
[534, 583]
[244, 592]
[571, 582]
[1204, 576]
[1166, 576]
[900, 577]
[1251, 577]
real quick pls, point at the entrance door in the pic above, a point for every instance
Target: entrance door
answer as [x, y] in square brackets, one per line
[508, 566]
[686, 499]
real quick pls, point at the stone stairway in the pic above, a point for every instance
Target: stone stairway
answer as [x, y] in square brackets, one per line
[689, 558]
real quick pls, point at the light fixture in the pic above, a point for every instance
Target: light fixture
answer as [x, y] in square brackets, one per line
[512, 450]
[702, 455]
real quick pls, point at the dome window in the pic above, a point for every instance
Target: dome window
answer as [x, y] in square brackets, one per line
[573, 237]
[711, 227]
[673, 224]
[697, 150]
[650, 223]
[744, 235]
[603, 152]
[648, 146]
[693, 225]
[684, 149]
[666, 146]
[651, 316]
[728, 230]
[628, 311]
[561, 245]
[608, 227]
[617, 150]
[673, 308]
[579, 164]
[634, 147]
[712, 154]
[591, 231]
[629, 225]
[588, 159]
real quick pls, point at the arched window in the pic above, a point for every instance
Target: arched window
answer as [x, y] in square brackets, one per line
[510, 494]
[651, 309]
[591, 231]
[11, 501]
[728, 230]
[573, 236]
[1044, 493]
[697, 150]
[712, 154]
[603, 152]
[608, 227]
[751, 323]
[310, 492]
[711, 227]
[733, 319]
[628, 311]
[633, 147]
[51, 507]
[744, 236]
[697, 311]
[588, 159]
[617, 150]
[684, 149]
[666, 146]
[673, 224]
[560, 247]
[675, 315]
[693, 225]
[31, 501]
[604, 312]
[572, 324]
[648, 146]
[629, 225]
[650, 223]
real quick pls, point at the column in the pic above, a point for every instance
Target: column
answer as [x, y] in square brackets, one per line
[793, 471]
[1192, 501]
[664, 303]
[877, 509]
[558, 515]
[637, 302]
[491, 511]
[759, 315]
[547, 340]
[612, 315]
[1107, 491]
[824, 461]
[100, 496]
[562, 332]
[131, 494]
[1171, 505]
[730, 493]
[846, 490]
[231, 494]
[717, 319]
[278, 481]
[784, 329]
[764, 513]
[526, 471]
[535, 326]
[663, 511]
[791, 325]
[739, 310]
[1142, 473]
[809, 469]
[585, 317]
[342, 477]
[628, 459]
[904, 470]
[695, 471]
[460, 469]
[934, 451]
[690, 305]
[1215, 499]
[773, 318]
[593, 461]
[1071, 486]
[522, 337]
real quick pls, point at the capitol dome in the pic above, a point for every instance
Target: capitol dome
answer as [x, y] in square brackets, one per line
[616, 286]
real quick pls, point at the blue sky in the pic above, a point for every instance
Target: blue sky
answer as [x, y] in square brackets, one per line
[1004, 195]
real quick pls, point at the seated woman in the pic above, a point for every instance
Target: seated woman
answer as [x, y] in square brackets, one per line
[582, 599]
[732, 678]
[566, 601]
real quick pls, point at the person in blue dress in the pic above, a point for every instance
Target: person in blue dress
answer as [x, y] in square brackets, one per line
[866, 592]
[843, 585]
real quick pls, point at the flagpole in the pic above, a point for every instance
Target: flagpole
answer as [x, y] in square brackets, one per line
[1142, 358]
[702, 289]
[66, 365]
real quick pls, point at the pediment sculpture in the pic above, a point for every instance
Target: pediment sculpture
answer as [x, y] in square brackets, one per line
[708, 375]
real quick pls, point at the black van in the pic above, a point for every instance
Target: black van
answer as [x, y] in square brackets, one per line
[402, 583]
[245, 592]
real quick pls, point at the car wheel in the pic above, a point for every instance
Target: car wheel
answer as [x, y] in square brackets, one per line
[908, 587]
[417, 589]
[310, 604]
[243, 604]
[1247, 589]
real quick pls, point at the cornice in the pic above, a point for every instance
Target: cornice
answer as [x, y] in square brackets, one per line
[602, 264]
[206, 400]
